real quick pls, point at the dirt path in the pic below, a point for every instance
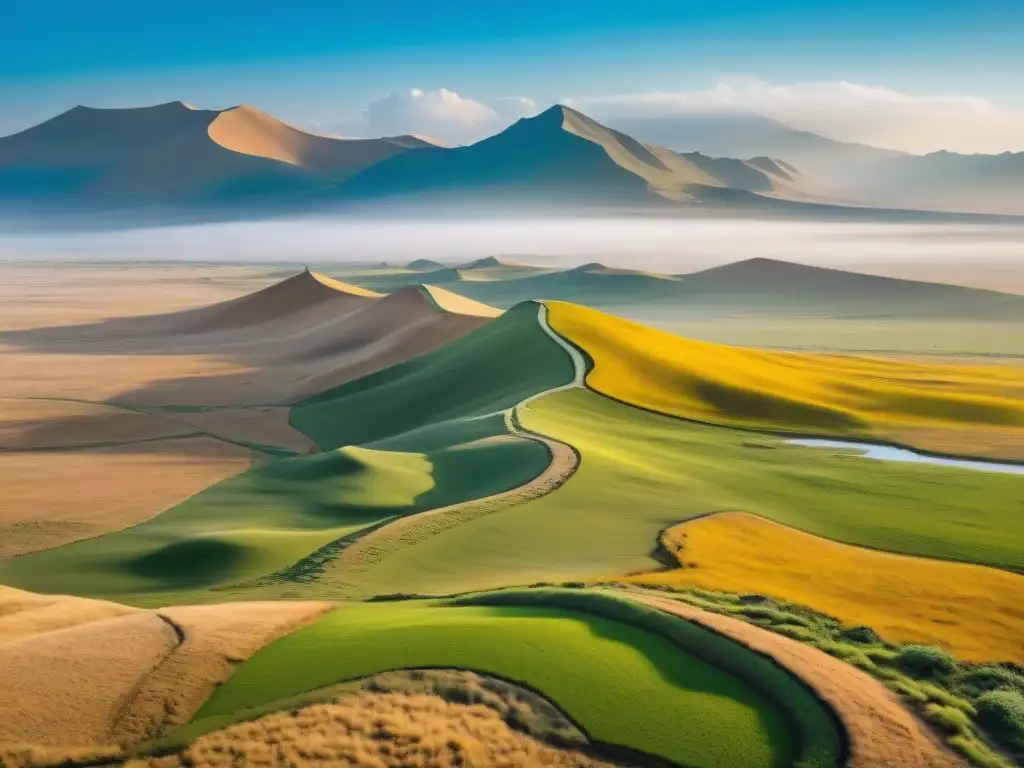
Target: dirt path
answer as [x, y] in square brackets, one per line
[211, 641]
[370, 550]
[350, 557]
[883, 733]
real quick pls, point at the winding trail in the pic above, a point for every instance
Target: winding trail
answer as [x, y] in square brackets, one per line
[882, 732]
[362, 552]
[210, 641]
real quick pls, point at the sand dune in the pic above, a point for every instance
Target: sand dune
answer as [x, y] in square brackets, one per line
[249, 131]
[459, 305]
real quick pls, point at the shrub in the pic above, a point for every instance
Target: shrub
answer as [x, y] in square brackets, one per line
[925, 661]
[865, 635]
[949, 719]
[978, 680]
[1001, 714]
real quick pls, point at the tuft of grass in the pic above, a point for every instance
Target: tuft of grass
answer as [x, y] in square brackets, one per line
[925, 661]
[1001, 714]
[950, 719]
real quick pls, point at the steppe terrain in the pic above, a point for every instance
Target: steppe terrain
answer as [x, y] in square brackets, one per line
[489, 514]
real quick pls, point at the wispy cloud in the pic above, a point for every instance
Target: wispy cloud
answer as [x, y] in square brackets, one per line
[841, 110]
[442, 113]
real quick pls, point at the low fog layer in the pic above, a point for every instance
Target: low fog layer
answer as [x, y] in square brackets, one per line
[661, 245]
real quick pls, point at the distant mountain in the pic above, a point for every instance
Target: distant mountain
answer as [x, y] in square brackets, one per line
[174, 162]
[563, 156]
[173, 152]
[950, 181]
[734, 133]
[845, 171]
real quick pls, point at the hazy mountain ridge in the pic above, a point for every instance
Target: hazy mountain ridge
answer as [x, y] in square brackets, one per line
[242, 162]
[847, 171]
[175, 152]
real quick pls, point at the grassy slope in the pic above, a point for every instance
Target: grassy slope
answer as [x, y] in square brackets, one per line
[791, 392]
[642, 472]
[277, 513]
[488, 370]
[588, 665]
[977, 613]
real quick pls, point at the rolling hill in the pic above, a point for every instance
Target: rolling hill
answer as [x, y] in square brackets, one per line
[173, 152]
[753, 287]
[290, 340]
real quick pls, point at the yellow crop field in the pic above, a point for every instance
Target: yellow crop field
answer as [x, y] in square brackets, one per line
[975, 612]
[810, 393]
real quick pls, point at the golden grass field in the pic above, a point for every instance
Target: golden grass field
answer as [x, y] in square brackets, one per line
[66, 688]
[385, 730]
[977, 613]
[23, 614]
[800, 393]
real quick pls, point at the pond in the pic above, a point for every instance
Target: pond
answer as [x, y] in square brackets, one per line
[891, 453]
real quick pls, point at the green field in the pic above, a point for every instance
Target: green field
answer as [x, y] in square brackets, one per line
[679, 707]
[272, 516]
[642, 472]
[488, 370]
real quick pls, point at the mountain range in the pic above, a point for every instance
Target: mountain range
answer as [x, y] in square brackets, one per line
[241, 161]
[847, 172]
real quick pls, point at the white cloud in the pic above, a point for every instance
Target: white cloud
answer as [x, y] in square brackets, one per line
[844, 111]
[442, 114]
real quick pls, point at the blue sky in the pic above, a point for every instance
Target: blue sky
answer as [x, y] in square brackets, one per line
[324, 62]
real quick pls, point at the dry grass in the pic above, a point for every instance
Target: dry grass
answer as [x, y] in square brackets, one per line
[54, 498]
[23, 614]
[35, 756]
[977, 613]
[882, 732]
[376, 731]
[520, 708]
[216, 639]
[804, 393]
[260, 425]
[31, 424]
[66, 688]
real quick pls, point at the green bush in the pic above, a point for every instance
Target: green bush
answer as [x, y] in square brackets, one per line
[949, 719]
[978, 680]
[1001, 714]
[925, 661]
[864, 635]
